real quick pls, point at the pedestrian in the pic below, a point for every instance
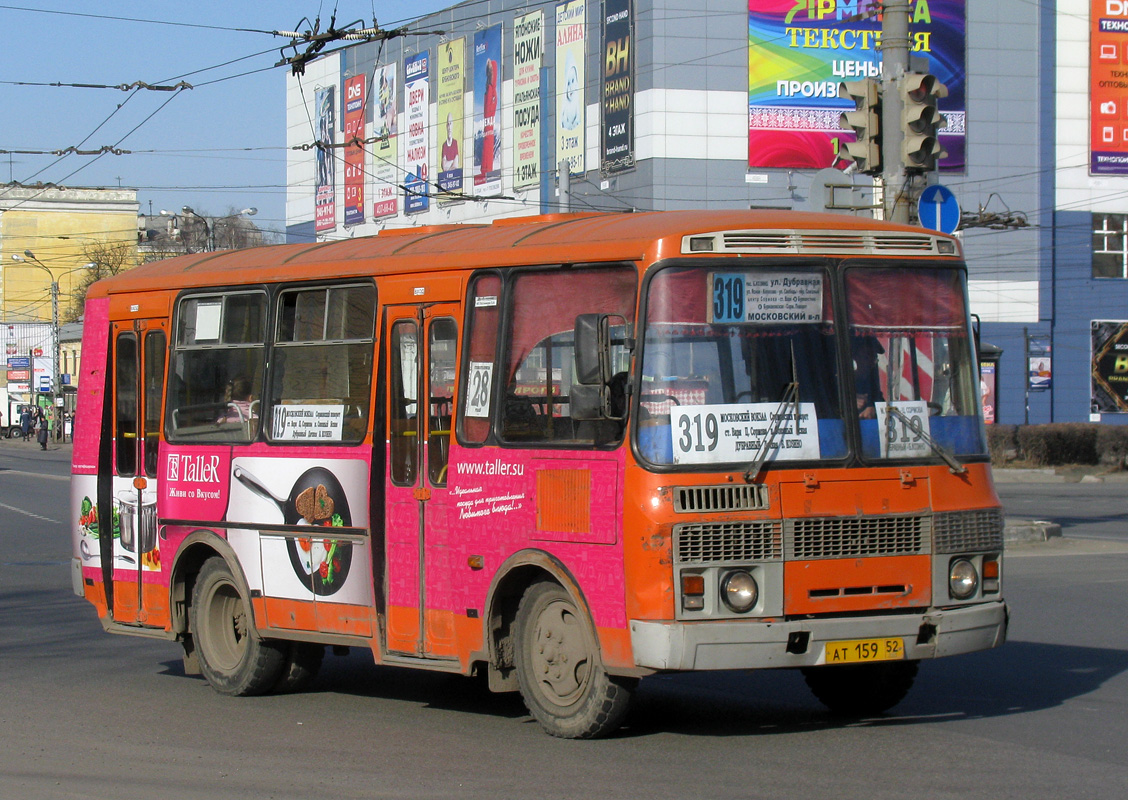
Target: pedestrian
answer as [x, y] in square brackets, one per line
[41, 434]
[25, 422]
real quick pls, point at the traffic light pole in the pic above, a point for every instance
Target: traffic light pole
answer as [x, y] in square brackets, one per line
[894, 64]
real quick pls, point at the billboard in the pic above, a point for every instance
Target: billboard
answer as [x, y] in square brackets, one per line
[617, 97]
[385, 150]
[324, 199]
[354, 153]
[528, 50]
[1109, 386]
[1108, 87]
[798, 53]
[417, 89]
[450, 69]
[571, 19]
[487, 120]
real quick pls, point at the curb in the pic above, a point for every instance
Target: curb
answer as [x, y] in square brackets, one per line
[1030, 530]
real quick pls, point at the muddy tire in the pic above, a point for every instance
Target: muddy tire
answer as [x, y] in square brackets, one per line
[559, 671]
[233, 659]
[861, 690]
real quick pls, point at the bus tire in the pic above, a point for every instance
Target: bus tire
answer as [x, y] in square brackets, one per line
[233, 659]
[861, 690]
[559, 673]
[300, 667]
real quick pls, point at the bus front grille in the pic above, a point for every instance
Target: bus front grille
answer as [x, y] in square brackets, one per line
[705, 499]
[857, 537]
[715, 542]
[968, 531]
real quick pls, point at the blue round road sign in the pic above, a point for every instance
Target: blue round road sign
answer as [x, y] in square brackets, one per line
[938, 209]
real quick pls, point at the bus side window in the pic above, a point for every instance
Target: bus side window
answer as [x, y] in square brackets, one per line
[540, 360]
[125, 404]
[483, 317]
[216, 372]
[323, 357]
[441, 347]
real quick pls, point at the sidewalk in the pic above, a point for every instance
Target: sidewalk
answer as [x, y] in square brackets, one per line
[56, 451]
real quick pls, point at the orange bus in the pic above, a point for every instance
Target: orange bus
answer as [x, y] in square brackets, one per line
[565, 452]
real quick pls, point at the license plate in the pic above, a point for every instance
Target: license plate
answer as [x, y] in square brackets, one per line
[858, 650]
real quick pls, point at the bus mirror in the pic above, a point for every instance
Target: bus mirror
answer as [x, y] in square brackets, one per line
[585, 401]
[592, 349]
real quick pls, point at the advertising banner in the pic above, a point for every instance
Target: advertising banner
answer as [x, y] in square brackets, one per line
[324, 201]
[1039, 355]
[487, 120]
[570, 102]
[451, 61]
[385, 150]
[528, 51]
[1109, 393]
[798, 53]
[618, 87]
[1108, 87]
[28, 347]
[354, 154]
[417, 88]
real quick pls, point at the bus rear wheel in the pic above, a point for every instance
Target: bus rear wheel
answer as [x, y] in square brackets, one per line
[861, 690]
[562, 681]
[233, 659]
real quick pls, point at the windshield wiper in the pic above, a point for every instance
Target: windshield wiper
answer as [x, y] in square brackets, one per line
[790, 400]
[953, 463]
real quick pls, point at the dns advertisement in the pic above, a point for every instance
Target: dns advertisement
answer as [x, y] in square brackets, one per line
[798, 53]
[1110, 367]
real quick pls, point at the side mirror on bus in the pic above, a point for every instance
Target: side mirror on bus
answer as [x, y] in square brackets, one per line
[596, 393]
[593, 349]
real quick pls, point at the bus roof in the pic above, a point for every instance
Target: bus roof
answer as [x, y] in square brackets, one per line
[551, 239]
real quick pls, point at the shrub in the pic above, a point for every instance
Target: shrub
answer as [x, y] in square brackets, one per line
[1058, 443]
[1112, 444]
[1002, 444]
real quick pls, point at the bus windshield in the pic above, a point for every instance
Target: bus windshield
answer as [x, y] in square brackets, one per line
[739, 365]
[908, 331]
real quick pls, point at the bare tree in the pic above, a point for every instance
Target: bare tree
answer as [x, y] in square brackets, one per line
[108, 258]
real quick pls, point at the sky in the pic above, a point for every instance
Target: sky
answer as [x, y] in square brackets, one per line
[216, 147]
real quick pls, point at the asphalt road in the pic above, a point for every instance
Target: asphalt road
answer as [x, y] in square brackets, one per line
[84, 714]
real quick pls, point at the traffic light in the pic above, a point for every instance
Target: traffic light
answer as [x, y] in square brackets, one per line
[865, 122]
[920, 148]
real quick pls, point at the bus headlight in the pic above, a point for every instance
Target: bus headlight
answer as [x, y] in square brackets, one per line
[739, 591]
[963, 580]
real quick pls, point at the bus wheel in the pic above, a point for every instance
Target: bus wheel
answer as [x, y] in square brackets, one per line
[562, 682]
[232, 659]
[300, 667]
[860, 690]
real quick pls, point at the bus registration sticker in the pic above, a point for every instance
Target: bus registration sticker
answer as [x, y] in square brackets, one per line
[853, 651]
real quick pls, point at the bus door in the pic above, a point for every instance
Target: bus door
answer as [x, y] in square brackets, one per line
[421, 362]
[140, 347]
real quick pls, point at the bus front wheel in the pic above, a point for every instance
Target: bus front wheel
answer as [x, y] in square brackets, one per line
[558, 669]
[860, 690]
[232, 658]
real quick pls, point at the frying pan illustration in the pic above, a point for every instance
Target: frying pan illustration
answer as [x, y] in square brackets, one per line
[319, 561]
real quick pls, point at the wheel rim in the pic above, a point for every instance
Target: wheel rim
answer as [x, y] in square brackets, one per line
[225, 630]
[561, 660]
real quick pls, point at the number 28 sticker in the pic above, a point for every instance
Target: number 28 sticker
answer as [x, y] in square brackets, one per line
[478, 389]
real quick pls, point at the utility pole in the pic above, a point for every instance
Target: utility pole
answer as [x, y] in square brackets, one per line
[894, 64]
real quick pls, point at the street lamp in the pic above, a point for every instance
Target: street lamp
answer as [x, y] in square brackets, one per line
[209, 222]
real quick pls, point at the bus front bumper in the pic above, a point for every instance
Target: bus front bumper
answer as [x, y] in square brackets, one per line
[748, 644]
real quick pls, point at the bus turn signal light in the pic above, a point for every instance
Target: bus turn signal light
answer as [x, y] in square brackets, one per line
[693, 592]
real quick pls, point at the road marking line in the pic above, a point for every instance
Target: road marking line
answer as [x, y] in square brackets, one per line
[7, 507]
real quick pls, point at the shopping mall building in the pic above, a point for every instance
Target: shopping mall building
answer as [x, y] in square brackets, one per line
[510, 107]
